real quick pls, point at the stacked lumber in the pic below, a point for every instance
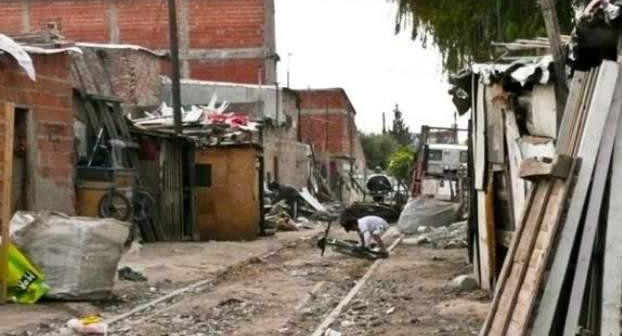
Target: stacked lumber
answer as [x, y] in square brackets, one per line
[514, 118]
[563, 272]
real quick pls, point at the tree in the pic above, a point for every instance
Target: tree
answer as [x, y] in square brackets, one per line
[464, 29]
[401, 163]
[377, 148]
[400, 131]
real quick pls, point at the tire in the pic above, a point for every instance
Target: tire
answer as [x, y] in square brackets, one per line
[115, 205]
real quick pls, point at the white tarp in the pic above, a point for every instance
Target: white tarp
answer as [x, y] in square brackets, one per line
[21, 56]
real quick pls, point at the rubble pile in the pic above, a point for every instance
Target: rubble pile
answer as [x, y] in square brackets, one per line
[445, 237]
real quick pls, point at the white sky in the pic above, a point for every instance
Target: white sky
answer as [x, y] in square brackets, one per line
[351, 44]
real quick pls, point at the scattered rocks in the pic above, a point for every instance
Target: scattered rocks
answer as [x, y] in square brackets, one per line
[464, 283]
[447, 237]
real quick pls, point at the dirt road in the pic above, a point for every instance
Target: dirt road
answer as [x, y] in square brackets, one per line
[292, 291]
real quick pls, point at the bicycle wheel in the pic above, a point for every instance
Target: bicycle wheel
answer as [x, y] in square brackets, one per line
[115, 205]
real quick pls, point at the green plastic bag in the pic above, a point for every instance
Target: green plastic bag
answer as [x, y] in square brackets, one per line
[26, 284]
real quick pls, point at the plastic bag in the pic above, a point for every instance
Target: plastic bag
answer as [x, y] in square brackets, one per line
[26, 284]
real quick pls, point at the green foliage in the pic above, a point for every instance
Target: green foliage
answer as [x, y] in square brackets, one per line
[377, 148]
[400, 131]
[464, 29]
[400, 163]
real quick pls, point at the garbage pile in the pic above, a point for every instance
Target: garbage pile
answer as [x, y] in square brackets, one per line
[453, 236]
[291, 210]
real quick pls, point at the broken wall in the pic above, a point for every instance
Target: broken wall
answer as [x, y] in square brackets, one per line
[49, 131]
[129, 73]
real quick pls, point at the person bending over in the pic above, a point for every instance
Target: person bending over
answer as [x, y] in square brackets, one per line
[369, 228]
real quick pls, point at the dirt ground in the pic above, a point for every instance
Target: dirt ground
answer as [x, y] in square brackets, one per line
[290, 292]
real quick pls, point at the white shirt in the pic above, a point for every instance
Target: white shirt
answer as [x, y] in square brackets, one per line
[371, 225]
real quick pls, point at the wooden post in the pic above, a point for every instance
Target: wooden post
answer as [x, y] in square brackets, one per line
[559, 56]
[7, 112]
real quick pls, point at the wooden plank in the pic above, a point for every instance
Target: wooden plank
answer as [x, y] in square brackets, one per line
[551, 21]
[545, 237]
[612, 272]
[495, 144]
[505, 271]
[578, 87]
[483, 241]
[526, 243]
[537, 263]
[518, 188]
[8, 124]
[595, 123]
[592, 218]
[534, 168]
[490, 233]
[480, 139]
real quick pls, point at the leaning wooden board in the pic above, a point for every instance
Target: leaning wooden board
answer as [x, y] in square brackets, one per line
[480, 138]
[595, 123]
[7, 125]
[612, 268]
[516, 267]
[549, 226]
[592, 218]
[518, 188]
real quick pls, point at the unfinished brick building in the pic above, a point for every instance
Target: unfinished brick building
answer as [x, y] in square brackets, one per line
[328, 124]
[220, 40]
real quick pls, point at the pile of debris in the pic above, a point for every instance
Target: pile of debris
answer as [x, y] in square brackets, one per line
[288, 209]
[208, 125]
[453, 236]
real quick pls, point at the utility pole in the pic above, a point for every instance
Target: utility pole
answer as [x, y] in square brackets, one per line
[549, 13]
[175, 76]
[384, 123]
[289, 62]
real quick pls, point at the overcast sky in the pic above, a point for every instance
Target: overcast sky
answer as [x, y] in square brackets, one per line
[351, 44]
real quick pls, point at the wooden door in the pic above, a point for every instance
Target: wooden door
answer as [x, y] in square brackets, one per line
[7, 124]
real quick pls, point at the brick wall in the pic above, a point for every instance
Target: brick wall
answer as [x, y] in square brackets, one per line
[327, 121]
[50, 134]
[222, 24]
[225, 40]
[134, 75]
[327, 135]
[234, 71]
[325, 98]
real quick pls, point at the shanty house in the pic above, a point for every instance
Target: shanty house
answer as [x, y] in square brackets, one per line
[41, 105]
[287, 160]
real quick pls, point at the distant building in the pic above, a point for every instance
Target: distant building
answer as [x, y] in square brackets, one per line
[221, 40]
[328, 124]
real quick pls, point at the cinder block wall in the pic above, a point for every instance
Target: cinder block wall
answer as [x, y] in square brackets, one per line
[221, 40]
[49, 128]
